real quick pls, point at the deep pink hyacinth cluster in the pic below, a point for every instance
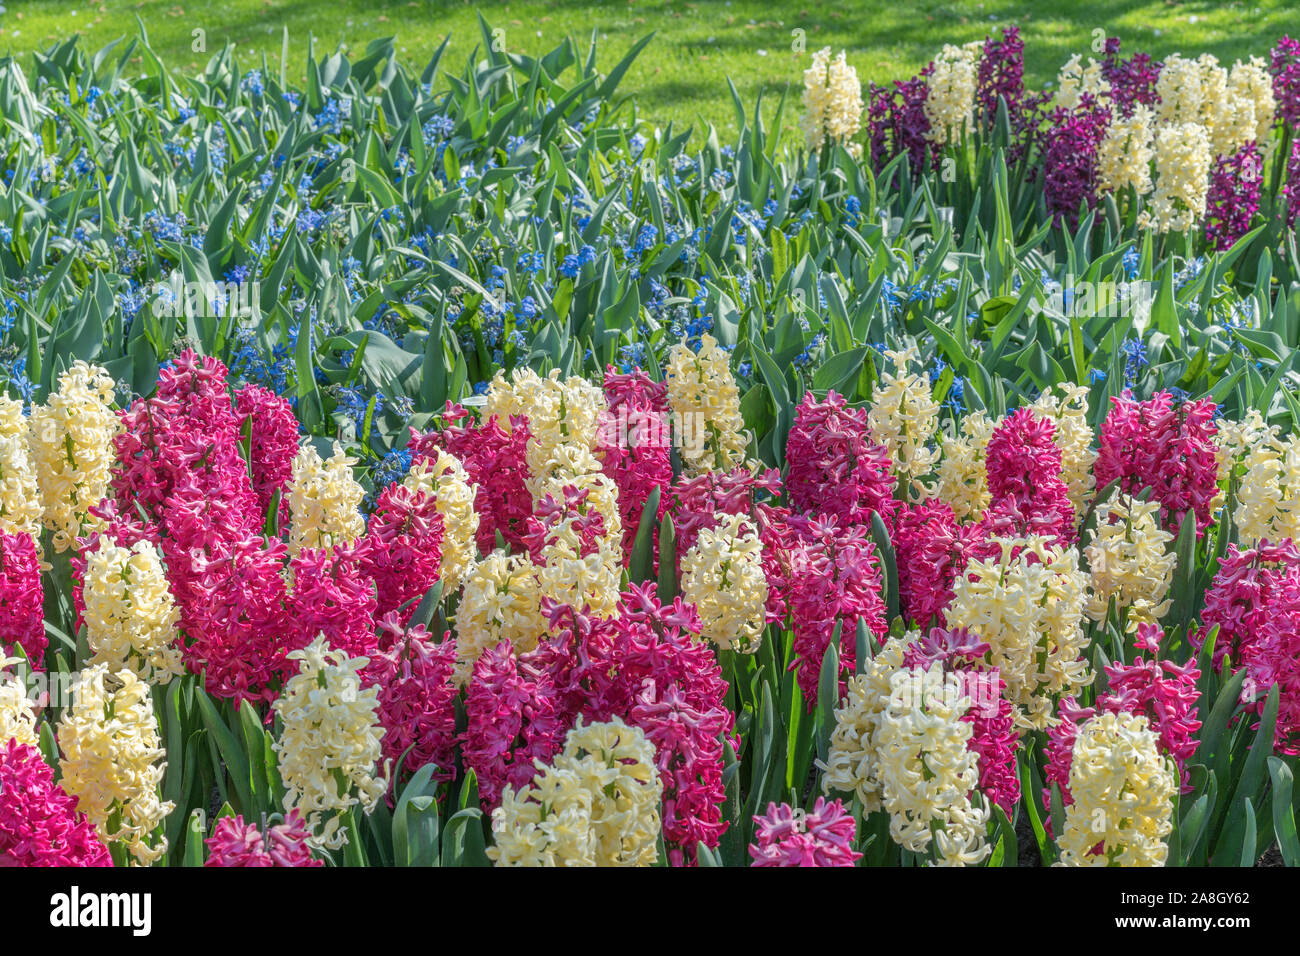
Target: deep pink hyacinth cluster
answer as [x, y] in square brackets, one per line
[495, 461]
[1162, 691]
[1059, 751]
[180, 462]
[587, 524]
[1023, 467]
[1233, 196]
[331, 595]
[633, 444]
[22, 614]
[1069, 146]
[1131, 80]
[994, 738]
[644, 666]
[235, 843]
[1284, 64]
[836, 468]
[416, 697]
[820, 573]
[39, 822]
[184, 443]
[820, 837]
[402, 547]
[512, 721]
[1255, 600]
[237, 632]
[273, 442]
[1166, 446]
[694, 503]
[647, 667]
[930, 548]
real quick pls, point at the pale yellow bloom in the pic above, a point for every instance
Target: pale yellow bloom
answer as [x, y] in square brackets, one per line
[852, 765]
[1075, 80]
[905, 417]
[590, 581]
[112, 760]
[950, 100]
[563, 418]
[1130, 560]
[131, 617]
[447, 480]
[324, 501]
[1249, 108]
[1183, 160]
[832, 103]
[705, 402]
[20, 495]
[330, 748]
[927, 771]
[1029, 608]
[1122, 790]
[962, 479]
[17, 717]
[596, 805]
[722, 575]
[1124, 157]
[70, 438]
[1191, 91]
[1268, 497]
[500, 602]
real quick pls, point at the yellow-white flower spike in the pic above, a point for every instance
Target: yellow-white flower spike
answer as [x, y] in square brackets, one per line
[1130, 561]
[20, 495]
[500, 602]
[70, 439]
[1027, 602]
[1066, 406]
[1122, 792]
[1075, 80]
[1268, 496]
[705, 403]
[1125, 154]
[324, 501]
[722, 575]
[330, 748]
[453, 495]
[567, 575]
[927, 770]
[852, 764]
[1183, 160]
[131, 617]
[905, 417]
[112, 760]
[950, 97]
[596, 805]
[832, 103]
[563, 416]
[1249, 108]
[962, 479]
[17, 716]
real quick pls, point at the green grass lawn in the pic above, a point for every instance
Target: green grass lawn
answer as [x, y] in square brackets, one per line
[682, 75]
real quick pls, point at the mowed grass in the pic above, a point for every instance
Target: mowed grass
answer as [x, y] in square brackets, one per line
[681, 76]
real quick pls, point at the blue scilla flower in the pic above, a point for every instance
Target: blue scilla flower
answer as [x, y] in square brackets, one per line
[1135, 359]
[1130, 262]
